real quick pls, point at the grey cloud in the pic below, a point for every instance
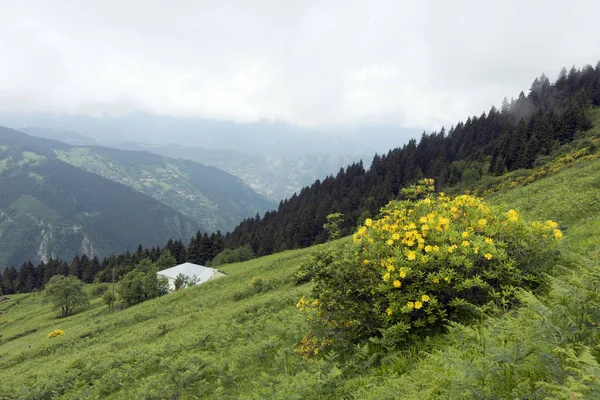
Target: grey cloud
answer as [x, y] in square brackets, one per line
[411, 64]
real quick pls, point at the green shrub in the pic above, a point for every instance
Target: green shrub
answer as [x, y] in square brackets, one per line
[422, 263]
[229, 256]
[99, 289]
[142, 284]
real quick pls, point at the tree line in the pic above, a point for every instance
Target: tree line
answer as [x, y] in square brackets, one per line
[519, 134]
[29, 277]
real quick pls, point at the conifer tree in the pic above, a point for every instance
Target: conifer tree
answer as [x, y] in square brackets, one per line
[75, 267]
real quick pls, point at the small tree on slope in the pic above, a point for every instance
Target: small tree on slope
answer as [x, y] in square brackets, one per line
[66, 293]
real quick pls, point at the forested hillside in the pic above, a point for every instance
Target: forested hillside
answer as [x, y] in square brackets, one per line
[215, 199]
[276, 177]
[51, 209]
[523, 133]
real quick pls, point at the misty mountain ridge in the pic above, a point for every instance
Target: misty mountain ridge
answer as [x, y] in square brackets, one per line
[275, 177]
[264, 137]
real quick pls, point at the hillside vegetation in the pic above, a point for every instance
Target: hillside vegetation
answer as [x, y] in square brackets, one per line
[275, 177]
[236, 337]
[51, 209]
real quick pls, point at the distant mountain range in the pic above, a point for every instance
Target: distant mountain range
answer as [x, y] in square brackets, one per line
[275, 176]
[267, 138]
[58, 200]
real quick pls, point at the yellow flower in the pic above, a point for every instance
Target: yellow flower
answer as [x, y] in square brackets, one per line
[558, 233]
[395, 236]
[428, 248]
[386, 276]
[397, 283]
[410, 305]
[466, 243]
[411, 255]
[450, 249]
[55, 333]
[476, 250]
[425, 298]
[488, 240]
[436, 280]
[418, 304]
[447, 279]
[482, 222]
[389, 311]
[513, 216]
[551, 224]
[465, 235]
[402, 273]
[390, 242]
[423, 220]
[489, 256]
[368, 222]
[365, 261]
[436, 249]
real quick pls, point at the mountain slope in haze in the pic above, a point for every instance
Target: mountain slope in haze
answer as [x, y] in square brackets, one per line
[267, 138]
[49, 208]
[277, 178]
[61, 135]
[214, 198]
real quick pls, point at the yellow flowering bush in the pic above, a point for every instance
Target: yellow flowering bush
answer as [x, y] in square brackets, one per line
[256, 281]
[425, 261]
[55, 333]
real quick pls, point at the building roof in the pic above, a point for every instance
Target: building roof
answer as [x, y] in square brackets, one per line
[199, 271]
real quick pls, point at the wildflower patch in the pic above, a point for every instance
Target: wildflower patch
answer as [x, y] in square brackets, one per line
[423, 262]
[55, 333]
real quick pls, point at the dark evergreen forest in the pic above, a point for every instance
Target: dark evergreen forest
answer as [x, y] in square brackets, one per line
[512, 137]
[28, 277]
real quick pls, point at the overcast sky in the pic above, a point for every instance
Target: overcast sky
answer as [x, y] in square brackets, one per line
[418, 64]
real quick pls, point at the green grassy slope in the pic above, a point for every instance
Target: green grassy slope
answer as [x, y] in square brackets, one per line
[221, 340]
[210, 339]
[572, 198]
[528, 340]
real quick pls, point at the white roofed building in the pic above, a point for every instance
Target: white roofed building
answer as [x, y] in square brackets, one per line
[196, 273]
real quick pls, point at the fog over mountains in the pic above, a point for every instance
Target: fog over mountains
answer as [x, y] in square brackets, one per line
[264, 137]
[274, 158]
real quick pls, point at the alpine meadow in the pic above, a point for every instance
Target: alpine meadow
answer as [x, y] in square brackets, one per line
[299, 200]
[467, 268]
